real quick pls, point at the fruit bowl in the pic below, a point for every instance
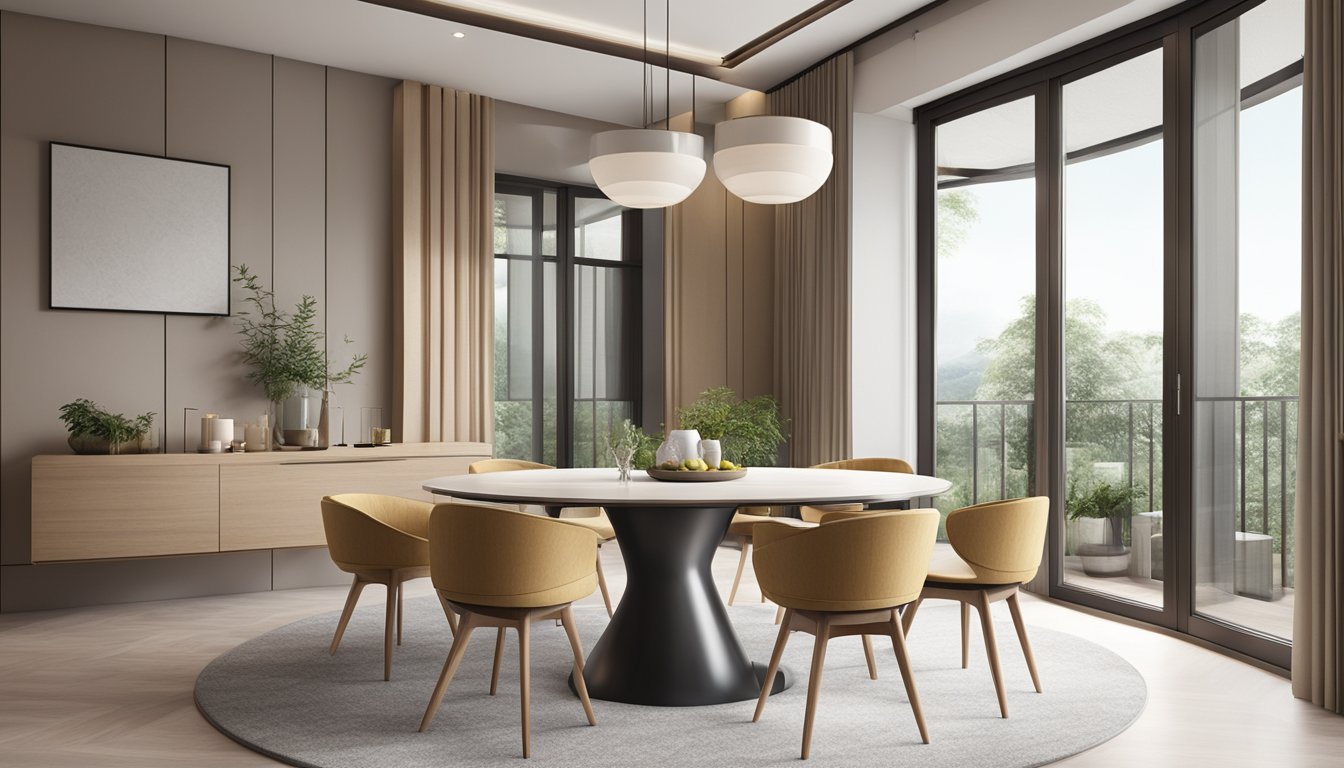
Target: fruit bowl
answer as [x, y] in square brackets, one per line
[695, 476]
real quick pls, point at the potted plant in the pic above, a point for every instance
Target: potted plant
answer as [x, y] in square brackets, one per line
[751, 431]
[289, 362]
[1105, 506]
[94, 430]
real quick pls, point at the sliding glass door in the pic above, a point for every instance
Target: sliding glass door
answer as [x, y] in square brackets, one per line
[1113, 263]
[1247, 118]
[1141, 370]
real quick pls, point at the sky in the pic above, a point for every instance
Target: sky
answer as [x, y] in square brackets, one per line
[1113, 236]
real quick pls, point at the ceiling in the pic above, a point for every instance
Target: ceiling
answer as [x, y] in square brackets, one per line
[384, 41]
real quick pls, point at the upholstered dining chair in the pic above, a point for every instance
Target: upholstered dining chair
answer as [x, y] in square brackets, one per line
[381, 540]
[996, 547]
[507, 569]
[744, 522]
[846, 577]
[593, 518]
[866, 464]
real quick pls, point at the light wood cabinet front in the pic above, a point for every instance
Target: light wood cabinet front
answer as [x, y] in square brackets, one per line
[101, 507]
[279, 505]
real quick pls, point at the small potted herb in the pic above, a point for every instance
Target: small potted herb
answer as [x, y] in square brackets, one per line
[94, 430]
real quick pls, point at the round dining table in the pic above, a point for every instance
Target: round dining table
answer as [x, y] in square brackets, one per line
[670, 642]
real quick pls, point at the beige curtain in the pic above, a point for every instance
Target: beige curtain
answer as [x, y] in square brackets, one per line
[1318, 625]
[812, 277]
[443, 271]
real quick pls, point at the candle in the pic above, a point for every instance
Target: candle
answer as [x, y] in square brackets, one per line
[222, 430]
[216, 447]
[254, 435]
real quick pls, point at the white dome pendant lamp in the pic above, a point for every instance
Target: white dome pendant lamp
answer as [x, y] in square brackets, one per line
[772, 159]
[647, 167]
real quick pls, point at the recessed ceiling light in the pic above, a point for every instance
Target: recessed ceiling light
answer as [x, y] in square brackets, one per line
[459, 35]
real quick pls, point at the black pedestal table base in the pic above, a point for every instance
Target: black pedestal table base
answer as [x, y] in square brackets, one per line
[670, 643]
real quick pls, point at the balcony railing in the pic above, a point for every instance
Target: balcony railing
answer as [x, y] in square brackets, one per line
[986, 447]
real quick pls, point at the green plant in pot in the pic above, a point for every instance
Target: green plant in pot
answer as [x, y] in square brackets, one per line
[750, 431]
[94, 430]
[1104, 555]
[288, 357]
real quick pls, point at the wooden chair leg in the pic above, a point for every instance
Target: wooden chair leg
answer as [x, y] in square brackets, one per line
[602, 584]
[908, 615]
[741, 563]
[449, 667]
[814, 680]
[868, 655]
[773, 669]
[992, 650]
[903, 659]
[525, 682]
[965, 634]
[567, 618]
[1022, 639]
[388, 627]
[779, 614]
[401, 608]
[355, 588]
[499, 659]
[448, 612]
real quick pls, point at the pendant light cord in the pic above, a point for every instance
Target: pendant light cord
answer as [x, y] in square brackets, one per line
[667, 64]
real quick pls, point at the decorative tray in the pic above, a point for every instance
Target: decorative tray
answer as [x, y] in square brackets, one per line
[696, 476]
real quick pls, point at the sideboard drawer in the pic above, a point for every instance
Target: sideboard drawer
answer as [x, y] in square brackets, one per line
[279, 505]
[104, 507]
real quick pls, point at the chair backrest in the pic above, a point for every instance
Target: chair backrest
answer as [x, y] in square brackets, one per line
[1002, 541]
[874, 561]
[368, 530]
[485, 466]
[503, 465]
[870, 464]
[502, 558]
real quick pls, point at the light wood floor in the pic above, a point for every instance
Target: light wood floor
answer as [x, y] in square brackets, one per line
[112, 686]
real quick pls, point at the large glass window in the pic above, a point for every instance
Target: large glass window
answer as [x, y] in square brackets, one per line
[985, 347]
[567, 321]
[1154, 359]
[1247, 202]
[1113, 324]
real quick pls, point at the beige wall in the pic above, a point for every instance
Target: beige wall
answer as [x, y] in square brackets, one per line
[310, 150]
[719, 286]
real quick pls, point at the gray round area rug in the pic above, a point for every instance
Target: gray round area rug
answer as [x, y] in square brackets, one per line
[283, 695]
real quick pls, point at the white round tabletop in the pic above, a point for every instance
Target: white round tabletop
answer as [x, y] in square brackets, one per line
[760, 486]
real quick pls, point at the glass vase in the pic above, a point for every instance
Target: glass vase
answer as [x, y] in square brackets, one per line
[301, 420]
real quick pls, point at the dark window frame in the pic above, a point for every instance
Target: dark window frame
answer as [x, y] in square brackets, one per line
[566, 262]
[1173, 30]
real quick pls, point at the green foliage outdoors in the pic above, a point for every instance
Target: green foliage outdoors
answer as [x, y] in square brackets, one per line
[285, 351]
[1113, 413]
[84, 417]
[751, 430]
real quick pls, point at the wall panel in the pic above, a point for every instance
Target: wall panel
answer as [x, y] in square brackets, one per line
[219, 110]
[359, 239]
[84, 85]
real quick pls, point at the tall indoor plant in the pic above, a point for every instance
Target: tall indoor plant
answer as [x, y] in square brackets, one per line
[288, 357]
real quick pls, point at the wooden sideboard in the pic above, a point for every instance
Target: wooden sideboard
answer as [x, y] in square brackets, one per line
[98, 507]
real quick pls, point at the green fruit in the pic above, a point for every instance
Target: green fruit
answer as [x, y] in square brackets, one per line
[688, 464]
[726, 464]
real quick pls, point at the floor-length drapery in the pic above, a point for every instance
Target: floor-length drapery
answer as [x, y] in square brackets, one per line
[1318, 626]
[812, 244]
[443, 264]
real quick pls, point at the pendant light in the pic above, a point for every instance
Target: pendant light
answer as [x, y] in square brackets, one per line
[646, 167]
[772, 159]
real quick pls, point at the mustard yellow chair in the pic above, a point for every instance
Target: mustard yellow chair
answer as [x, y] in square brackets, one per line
[871, 464]
[843, 578]
[593, 518]
[744, 521]
[998, 546]
[381, 540]
[502, 568]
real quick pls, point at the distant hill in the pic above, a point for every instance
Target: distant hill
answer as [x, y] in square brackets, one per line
[960, 377]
